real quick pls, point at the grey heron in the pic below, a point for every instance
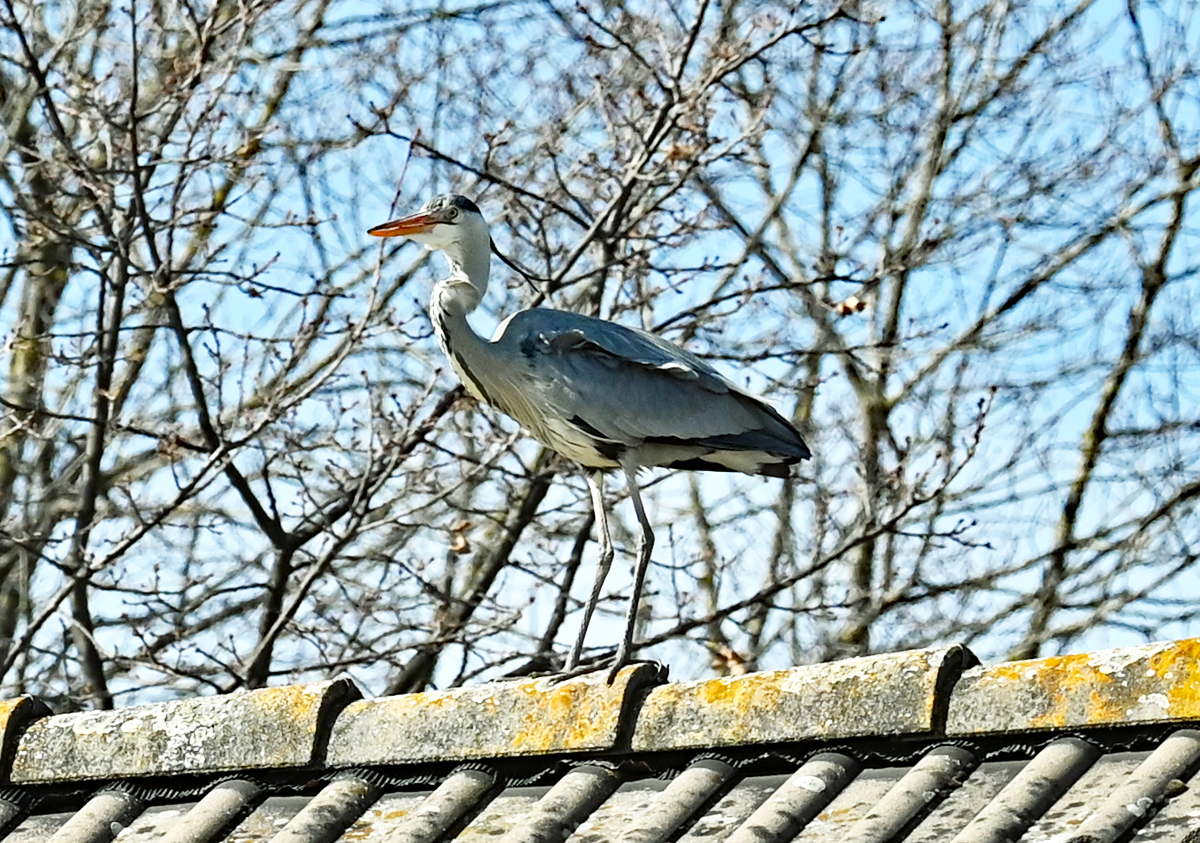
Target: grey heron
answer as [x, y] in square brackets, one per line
[602, 394]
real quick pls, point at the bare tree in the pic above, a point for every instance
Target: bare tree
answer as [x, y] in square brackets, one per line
[953, 243]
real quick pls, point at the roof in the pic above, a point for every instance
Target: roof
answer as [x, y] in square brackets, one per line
[915, 746]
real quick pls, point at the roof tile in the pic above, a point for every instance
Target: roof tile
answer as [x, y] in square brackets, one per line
[323, 820]
[105, 814]
[408, 818]
[530, 717]
[891, 694]
[1154, 682]
[729, 813]
[799, 799]
[941, 771]
[682, 799]
[227, 801]
[1140, 794]
[15, 714]
[270, 727]
[564, 806]
[1036, 782]
[1031, 792]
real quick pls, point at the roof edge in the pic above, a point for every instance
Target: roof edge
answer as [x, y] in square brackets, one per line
[930, 693]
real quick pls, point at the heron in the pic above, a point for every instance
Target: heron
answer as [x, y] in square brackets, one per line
[600, 393]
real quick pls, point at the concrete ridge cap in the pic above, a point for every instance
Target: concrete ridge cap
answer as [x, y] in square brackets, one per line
[1144, 683]
[501, 719]
[539, 716]
[903, 693]
[284, 726]
[927, 692]
[16, 713]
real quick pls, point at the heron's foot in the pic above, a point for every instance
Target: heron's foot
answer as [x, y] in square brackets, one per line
[620, 660]
[660, 669]
[614, 667]
[574, 672]
[623, 660]
[540, 664]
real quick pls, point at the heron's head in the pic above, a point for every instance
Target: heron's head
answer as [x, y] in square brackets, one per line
[452, 224]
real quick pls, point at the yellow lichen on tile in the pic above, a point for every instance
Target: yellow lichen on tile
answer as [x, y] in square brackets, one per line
[291, 703]
[1153, 682]
[528, 717]
[7, 709]
[1180, 671]
[892, 693]
[562, 716]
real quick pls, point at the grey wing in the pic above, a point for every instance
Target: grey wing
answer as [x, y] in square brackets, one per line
[628, 389]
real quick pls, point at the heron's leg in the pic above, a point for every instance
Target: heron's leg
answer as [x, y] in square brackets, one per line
[595, 482]
[645, 546]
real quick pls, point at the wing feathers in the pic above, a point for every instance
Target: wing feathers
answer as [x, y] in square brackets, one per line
[629, 389]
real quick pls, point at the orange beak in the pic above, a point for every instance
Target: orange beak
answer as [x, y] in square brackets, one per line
[417, 223]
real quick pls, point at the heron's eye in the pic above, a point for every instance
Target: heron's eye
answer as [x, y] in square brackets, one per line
[451, 213]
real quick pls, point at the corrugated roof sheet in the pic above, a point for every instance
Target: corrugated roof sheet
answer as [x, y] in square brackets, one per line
[917, 746]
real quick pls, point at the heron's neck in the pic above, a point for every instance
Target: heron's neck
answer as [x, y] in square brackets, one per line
[454, 298]
[458, 294]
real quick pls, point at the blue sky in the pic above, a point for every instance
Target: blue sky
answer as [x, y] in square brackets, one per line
[1059, 154]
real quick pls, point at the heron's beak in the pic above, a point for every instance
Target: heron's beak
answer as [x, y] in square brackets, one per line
[417, 223]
